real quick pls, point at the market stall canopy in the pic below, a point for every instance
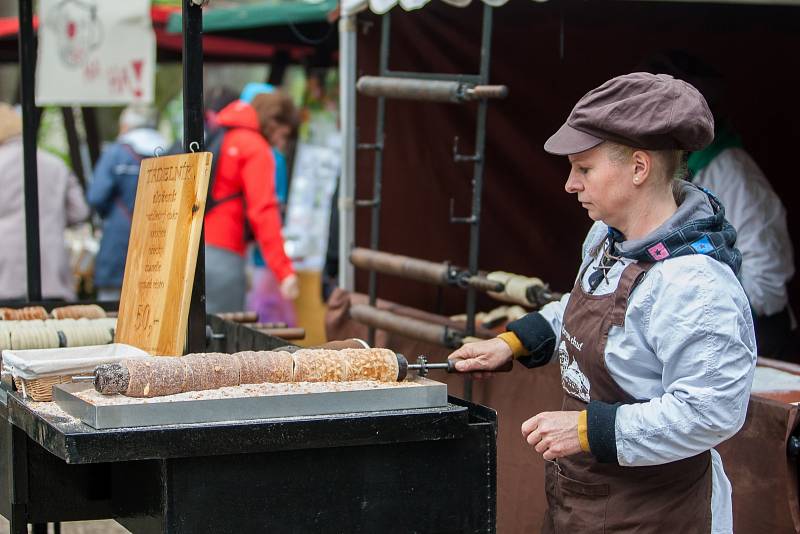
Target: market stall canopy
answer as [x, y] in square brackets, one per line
[9, 26]
[280, 13]
[382, 6]
[299, 30]
[227, 47]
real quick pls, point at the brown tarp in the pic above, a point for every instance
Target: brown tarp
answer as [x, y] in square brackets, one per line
[764, 479]
[549, 54]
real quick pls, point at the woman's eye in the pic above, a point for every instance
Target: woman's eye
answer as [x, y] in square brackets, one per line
[583, 170]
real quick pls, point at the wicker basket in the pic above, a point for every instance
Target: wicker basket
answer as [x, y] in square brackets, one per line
[40, 389]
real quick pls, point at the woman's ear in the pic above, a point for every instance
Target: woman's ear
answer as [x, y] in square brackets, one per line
[642, 166]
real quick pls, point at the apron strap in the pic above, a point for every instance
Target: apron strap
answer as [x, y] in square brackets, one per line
[631, 276]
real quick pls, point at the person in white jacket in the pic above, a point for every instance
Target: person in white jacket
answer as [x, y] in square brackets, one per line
[61, 204]
[726, 169]
[655, 341]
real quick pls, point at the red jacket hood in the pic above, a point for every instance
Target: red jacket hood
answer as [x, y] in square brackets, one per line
[238, 114]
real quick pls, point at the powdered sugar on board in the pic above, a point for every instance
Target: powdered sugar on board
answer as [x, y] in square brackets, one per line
[251, 390]
[51, 409]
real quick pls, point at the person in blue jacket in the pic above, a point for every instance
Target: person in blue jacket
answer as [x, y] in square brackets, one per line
[112, 193]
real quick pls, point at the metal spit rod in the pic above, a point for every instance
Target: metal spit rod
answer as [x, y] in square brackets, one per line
[411, 327]
[423, 367]
[407, 326]
[377, 181]
[420, 270]
[427, 90]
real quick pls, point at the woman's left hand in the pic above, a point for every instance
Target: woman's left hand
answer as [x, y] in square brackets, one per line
[553, 434]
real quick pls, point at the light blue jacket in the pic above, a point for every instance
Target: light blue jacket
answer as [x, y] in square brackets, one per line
[687, 351]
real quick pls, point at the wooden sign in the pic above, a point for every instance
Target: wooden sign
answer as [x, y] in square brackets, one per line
[162, 253]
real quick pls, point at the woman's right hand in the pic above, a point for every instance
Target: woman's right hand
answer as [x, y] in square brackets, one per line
[290, 287]
[482, 357]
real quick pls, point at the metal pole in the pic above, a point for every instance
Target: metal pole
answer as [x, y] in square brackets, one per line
[92, 134]
[74, 144]
[477, 180]
[377, 171]
[27, 65]
[193, 133]
[347, 116]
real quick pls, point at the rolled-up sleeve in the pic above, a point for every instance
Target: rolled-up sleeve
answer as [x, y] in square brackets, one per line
[700, 329]
[538, 331]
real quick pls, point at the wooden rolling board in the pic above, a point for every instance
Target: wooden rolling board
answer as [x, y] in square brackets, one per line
[162, 252]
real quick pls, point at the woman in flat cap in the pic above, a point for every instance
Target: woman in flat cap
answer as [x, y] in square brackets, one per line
[655, 341]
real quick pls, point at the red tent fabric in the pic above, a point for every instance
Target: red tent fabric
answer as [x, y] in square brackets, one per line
[212, 45]
[9, 26]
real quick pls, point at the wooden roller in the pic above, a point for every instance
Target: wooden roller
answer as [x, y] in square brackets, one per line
[283, 333]
[28, 313]
[239, 317]
[430, 90]
[397, 265]
[155, 377]
[79, 311]
[420, 270]
[267, 326]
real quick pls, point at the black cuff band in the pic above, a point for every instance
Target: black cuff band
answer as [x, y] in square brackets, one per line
[601, 418]
[536, 336]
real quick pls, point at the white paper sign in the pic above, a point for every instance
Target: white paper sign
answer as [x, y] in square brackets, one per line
[316, 169]
[95, 52]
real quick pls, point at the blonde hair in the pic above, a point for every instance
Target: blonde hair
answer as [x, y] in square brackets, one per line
[668, 164]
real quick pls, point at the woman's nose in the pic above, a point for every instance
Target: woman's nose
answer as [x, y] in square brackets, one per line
[573, 185]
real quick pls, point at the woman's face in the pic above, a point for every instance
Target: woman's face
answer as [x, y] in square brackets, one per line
[604, 187]
[279, 138]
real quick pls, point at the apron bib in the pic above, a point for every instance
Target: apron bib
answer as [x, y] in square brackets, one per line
[585, 496]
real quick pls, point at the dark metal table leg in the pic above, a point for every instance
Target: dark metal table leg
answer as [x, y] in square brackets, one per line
[18, 524]
[193, 140]
[19, 481]
[39, 528]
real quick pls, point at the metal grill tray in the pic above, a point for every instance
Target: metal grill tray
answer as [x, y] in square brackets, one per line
[424, 393]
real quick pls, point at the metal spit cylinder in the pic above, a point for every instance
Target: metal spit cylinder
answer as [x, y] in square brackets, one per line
[406, 326]
[403, 266]
[420, 329]
[429, 90]
[419, 270]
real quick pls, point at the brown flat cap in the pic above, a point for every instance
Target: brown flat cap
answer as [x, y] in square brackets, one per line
[641, 110]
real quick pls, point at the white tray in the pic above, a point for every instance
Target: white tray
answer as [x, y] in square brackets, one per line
[39, 363]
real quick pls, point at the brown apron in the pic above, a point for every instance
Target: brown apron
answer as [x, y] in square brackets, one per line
[585, 496]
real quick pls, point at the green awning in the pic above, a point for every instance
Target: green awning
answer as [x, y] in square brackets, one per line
[274, 13]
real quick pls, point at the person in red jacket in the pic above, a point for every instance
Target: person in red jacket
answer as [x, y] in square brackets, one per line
[244, 189]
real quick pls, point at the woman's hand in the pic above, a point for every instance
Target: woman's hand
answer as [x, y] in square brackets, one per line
[553, 434]
[481, 357]
[290, 288]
